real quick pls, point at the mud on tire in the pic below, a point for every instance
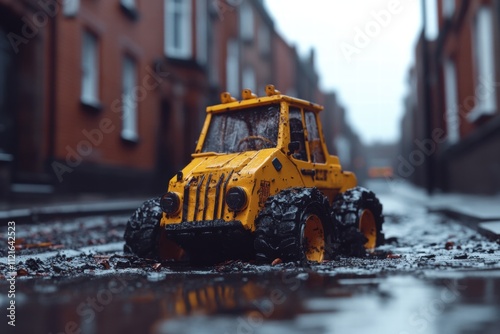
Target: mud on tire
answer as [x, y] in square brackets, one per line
[279, 226]
[347, 210]
[142, 231]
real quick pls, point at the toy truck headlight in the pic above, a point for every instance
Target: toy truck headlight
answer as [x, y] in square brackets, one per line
[170, 203]
[236, 199]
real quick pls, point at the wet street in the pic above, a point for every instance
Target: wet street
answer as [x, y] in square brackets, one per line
[433, 276]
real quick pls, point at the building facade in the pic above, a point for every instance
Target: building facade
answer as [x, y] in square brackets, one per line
[100, 96]
[457, 101]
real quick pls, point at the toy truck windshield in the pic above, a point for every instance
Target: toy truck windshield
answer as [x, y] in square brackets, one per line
[252, 128]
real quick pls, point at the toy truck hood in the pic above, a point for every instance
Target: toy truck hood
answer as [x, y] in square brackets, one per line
[203, 164]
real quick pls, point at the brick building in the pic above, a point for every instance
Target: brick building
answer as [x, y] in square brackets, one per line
[457, 99]
[99, 96]
[86, 94]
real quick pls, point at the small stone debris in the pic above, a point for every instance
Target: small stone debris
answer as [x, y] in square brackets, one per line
[276, 261]
[393, 256]
[460, 257]
[449, 245]
[104, 263]
[22, 272]
[122, 263]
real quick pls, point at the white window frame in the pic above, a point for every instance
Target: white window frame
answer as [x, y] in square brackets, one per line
[129, 99]
[451, 99]
[233, 67]
[249, 79]
[182, 9]
[201, 31]
[484, 61]
[71, 7]
[246, 22]
[90, 69]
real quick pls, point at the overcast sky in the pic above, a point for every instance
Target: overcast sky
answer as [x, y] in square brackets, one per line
[364, 49]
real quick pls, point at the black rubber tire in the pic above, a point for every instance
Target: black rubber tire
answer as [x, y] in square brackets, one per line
[346, 210]
[279, 224]
[142, 235]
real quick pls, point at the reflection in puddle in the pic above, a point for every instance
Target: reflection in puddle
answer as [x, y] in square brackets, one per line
[273, 302]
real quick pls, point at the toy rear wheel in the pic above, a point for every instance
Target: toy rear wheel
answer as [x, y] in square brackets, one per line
[359, 228]
[293, 226]
[144, 237]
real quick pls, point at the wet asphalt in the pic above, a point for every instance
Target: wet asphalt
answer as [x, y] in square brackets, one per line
[432, 276]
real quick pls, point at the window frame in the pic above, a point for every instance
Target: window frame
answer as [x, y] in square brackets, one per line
[451, 100]
[233, 67]
[247, 22]
[484, 64]
[315, 144]
[201, 32]
[130, 105]
[90, 70]
[184, 10]
[249, 78]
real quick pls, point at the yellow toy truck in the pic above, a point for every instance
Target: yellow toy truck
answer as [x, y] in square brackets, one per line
[261, 185]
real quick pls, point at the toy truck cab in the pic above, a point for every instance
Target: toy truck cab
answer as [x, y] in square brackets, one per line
[256, 160]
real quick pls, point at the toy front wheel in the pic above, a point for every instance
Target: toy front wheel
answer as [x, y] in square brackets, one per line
[293, 226]
[144, 237]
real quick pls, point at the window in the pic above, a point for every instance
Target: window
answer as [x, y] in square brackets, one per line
[71, 7]
[129, 4]
[249, 78]
[254, 128]
[484, 65]
[448, 8]
[129, 111]
[315, 147]
[233, 67]
[264, 40]
[201, 31]
[246, 22]
[178, 28]
[90, 70]
[130, 8]
[450, 87]
[297, 134]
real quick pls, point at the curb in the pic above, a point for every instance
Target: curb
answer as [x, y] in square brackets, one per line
[43, 214]
[489, 227]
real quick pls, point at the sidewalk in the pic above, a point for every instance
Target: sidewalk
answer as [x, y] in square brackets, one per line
[481, 213]
[34, 212]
